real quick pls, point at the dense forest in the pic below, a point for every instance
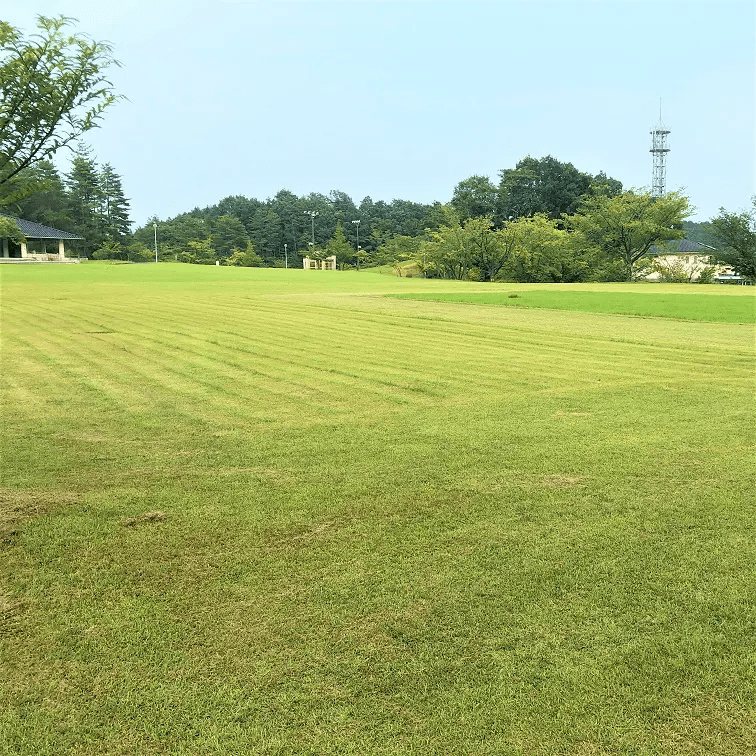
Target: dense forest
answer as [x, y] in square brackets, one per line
[537, 223]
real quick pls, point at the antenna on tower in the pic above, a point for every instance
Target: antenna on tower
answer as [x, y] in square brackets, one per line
[659, 149]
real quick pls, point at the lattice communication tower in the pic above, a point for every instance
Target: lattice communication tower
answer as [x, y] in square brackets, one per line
[659, 149]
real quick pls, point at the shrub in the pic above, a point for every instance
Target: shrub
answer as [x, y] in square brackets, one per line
[110, 250]
[706, 276]
[246, 258]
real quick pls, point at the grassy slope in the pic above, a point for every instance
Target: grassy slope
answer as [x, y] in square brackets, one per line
[390, 526]
[706, 306]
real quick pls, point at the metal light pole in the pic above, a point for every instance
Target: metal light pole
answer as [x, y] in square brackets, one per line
[286, 256]
[313, 214]
[357, 224]
[154, 228]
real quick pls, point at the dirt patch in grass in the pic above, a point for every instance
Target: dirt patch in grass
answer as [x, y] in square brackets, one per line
[87, 438]
[268, 473]
[315, 533]
[303, 535]
[145, 518]
[17, 506]
[307, 534]
[562, 481]
[9, 615]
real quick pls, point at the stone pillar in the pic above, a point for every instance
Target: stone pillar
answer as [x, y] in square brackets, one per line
[61, 249]
[24, 252]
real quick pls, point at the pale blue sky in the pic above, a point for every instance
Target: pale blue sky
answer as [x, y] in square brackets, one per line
[397, 99]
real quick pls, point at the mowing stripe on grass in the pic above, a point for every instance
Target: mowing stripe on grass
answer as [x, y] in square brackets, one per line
[705, 307]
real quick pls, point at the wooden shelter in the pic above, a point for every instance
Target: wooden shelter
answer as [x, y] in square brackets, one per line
[42, 243]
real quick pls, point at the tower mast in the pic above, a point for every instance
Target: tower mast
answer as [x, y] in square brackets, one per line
[659, 149]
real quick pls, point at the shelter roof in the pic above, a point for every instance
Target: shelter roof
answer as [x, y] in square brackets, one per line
[32, 230]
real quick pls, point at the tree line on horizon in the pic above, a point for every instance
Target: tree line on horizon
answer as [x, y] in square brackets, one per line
[544, 221]
[362, 233]
[90, 202]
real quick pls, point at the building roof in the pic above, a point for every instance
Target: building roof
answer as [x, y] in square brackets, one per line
[32, 230]
[681, 247]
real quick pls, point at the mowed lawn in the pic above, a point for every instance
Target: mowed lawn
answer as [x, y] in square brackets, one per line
[278, 512]
[706, 305]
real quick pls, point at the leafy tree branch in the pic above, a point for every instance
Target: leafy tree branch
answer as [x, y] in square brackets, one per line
[53, 89]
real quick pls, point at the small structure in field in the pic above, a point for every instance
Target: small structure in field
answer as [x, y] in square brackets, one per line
[41, 244]
[312, 263]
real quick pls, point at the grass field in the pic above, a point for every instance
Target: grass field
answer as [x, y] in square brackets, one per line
[278, 512]
[708, 306]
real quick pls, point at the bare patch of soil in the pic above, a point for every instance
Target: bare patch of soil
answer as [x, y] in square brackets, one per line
[145, 518]
[562, 481]
[9, 615]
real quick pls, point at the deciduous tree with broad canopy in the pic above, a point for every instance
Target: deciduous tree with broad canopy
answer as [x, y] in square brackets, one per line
[543, 185]
[736, 234]
[474, 197]
[627, 225]
[470, 248]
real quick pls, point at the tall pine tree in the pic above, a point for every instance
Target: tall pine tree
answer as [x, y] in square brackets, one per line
[115, 207]
[48, 204]
[339, 246]
[86, 201]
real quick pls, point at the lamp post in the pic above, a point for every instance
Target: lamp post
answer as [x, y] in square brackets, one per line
[286, 256]
[313, 214]
[154, 228]
[357, 224]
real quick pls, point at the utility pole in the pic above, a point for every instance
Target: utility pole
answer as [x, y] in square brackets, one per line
[357, 225]
[313, 214]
